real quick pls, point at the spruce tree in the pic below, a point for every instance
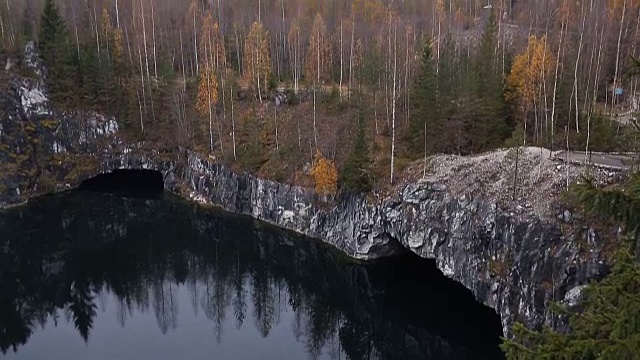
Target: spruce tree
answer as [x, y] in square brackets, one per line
[54, 52]
[357, 170]
[606, 324]
[489, 127]
[425, 112]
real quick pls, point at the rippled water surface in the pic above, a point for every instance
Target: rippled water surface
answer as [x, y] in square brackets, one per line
[95, 276]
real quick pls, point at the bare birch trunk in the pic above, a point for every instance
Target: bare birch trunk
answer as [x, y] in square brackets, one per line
[233, 126]
[555, 88]
[353, 30]
[275, 117]
[195, 41]
[117, 15]
[575, 74]
[141, 116]
[126, 32]
[393, 103]
[146, 59]
[341, 58]
[615, 77]
[257, 67]
[153, 32]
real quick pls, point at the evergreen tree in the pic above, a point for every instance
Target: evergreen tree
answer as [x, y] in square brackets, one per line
[54, 52]
[488, 128]
[357, 170]
[606, 325]
[425, 113]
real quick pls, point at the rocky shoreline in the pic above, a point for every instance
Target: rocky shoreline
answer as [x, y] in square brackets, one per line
[516, 264]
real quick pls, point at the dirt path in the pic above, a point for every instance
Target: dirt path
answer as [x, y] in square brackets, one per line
[604, 160]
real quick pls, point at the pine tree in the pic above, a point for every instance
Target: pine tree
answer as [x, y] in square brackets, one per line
[53, 50]
[357, 170]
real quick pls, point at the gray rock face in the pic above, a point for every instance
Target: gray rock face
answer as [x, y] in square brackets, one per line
[515, 265]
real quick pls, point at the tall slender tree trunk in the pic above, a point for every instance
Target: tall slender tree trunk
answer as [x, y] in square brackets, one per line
[153, 32]
[12, 34]
[2, 30]
[275, 120]
[126, 33]
[341, 58]
[596, 80]
[406, 78]
[575, 73]
[195, 40]
[141, 116]
[555, 86]
[257, 67]
[615, 77]
[224, 111]
[117, 15]
[75, 26]
[233, 126]
[97, 33]
[393, 102]
[353, 31]
[146, 59]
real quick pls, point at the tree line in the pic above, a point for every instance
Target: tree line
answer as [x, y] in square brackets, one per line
[455, 76]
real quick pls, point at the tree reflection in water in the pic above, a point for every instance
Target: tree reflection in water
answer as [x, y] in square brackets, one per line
[61, 254]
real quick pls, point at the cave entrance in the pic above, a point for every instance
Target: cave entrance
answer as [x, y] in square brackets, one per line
[128, 183]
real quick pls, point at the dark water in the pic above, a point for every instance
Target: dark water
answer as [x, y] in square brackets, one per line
[94, 276]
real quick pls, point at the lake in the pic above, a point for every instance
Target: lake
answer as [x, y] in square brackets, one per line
[87, 275]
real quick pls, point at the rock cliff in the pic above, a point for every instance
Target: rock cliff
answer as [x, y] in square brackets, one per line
[513, 262]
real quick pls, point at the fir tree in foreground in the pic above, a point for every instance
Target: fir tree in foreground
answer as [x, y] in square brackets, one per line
[606, 325]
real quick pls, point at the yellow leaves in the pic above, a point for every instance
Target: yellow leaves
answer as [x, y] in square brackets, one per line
[440, 7]
[529, 72]
[318, 54]
[372, 10]
[208, 81]
[257, 61]
[212, 50]
[207, 90]
[106, 23]
[113, 36]
[219, 52]
[325, 175]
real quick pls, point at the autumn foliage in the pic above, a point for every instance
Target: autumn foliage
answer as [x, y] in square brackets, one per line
[257, 61]
[325, 175]
[529, 72]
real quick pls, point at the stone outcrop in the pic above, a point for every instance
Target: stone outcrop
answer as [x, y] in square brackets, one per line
[517, 265]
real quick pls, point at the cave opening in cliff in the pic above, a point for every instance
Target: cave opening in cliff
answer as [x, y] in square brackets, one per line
[415, 287]
[128, 183]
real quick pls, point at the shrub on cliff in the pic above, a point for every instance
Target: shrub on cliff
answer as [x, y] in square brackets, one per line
[324, 174]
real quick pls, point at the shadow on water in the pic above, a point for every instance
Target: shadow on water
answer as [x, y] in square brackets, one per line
[61, 253]
[128, 183]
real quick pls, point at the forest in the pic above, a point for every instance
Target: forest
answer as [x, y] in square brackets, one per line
[358, 89]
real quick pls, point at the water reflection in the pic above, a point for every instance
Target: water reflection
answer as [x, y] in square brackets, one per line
[73, 258]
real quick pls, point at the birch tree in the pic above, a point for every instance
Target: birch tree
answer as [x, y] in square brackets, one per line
[257, 61]
[317, 58]
[208, 81]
